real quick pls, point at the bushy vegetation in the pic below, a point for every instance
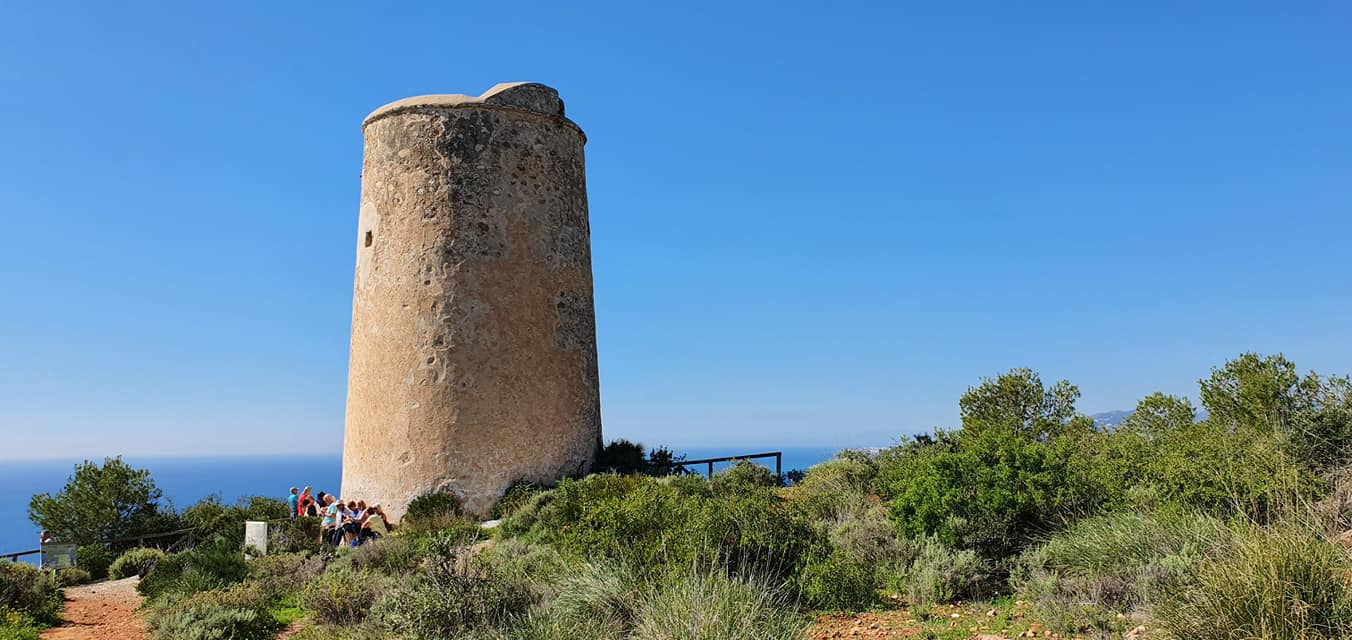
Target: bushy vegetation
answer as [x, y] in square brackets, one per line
[1284, 581]
[134, 562]
[214, 592]
[94, 558]
[1114, 564]
[432, 512]
[30, 600]
[624, 457]
[211, 517]
[72, 576]
[216, 564]
[295, 535]
[238, 612]
[30, 593]
[19, 625]
[1219, 527]
[737, 521]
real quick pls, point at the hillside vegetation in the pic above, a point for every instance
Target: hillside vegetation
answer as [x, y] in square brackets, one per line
[1163, 526]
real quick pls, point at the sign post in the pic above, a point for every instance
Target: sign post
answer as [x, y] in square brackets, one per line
[256, 536]
[58, 556]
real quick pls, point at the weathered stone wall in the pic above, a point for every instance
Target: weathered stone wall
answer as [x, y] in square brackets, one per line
[473, 358]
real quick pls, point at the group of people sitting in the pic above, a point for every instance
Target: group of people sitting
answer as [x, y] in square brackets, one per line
[344, 523]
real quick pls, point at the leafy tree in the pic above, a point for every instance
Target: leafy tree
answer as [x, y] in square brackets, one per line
[1239, 460]
[101, 503]
[1257, 391]
[210, 516]
[1313, 416]
[1223, 470]
[1019, 468]
[1018, 402]
[662, 462]
[1158, 415]
[622, 456]
[1131, 449]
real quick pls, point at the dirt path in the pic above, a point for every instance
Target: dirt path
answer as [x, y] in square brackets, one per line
[101, 611]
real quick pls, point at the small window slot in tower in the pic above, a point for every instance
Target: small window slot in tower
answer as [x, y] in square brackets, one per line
[369, 238]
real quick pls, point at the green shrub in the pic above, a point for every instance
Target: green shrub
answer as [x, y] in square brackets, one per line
[935, 573]
[992, 490]
[518, 494]
[237, 611]
[1220, 469]
[131, 563]
[215, 564]
[526, 514]
[604, 596]
[433, 505]
[714, 606]
[540, 567]
[163, 578]
[71, 576]
[742, 477]
[838, 486]
[1022, 465]
[1310, 415]
[1084, 576]
[211, 517]
[431, 512]
[283, 574]
[838, 582]
[392, 554]
[264, 508]
[342, 595]
[452, 595]
[19, 625]
[94, 558]
[1280, 582]
[27, 590]
[295, 535]
[668, 526]
[1115, 563]
[866, 536]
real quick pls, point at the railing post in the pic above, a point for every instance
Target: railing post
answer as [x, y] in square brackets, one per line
[779, 466]
[711, 469]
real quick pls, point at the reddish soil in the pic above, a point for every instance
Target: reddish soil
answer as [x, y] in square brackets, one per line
[100, 611]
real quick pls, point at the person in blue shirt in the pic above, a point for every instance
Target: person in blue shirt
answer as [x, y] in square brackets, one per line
[294, 501]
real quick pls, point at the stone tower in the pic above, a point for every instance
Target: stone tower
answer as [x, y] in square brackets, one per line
[473, 359]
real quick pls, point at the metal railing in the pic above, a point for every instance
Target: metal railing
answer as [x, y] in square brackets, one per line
[777, 455]
[14, 557]
[185, 534]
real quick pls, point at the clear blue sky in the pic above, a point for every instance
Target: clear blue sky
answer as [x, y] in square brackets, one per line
[812, 224]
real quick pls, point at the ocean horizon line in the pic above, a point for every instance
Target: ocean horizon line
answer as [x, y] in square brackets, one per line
[742, 449]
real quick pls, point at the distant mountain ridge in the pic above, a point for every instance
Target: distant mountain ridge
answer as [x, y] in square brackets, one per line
[1109, 418]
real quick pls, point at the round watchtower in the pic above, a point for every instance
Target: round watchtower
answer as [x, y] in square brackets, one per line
[473, 362]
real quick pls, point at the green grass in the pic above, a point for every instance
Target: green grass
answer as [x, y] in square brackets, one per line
[1282, 582]
[286, 610]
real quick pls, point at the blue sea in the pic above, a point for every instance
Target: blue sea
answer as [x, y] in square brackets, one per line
[187, 480]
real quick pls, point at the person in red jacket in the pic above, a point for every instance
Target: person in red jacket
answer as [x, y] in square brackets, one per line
[303, 502]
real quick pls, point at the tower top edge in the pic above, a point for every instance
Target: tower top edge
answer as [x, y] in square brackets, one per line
[531, 97]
